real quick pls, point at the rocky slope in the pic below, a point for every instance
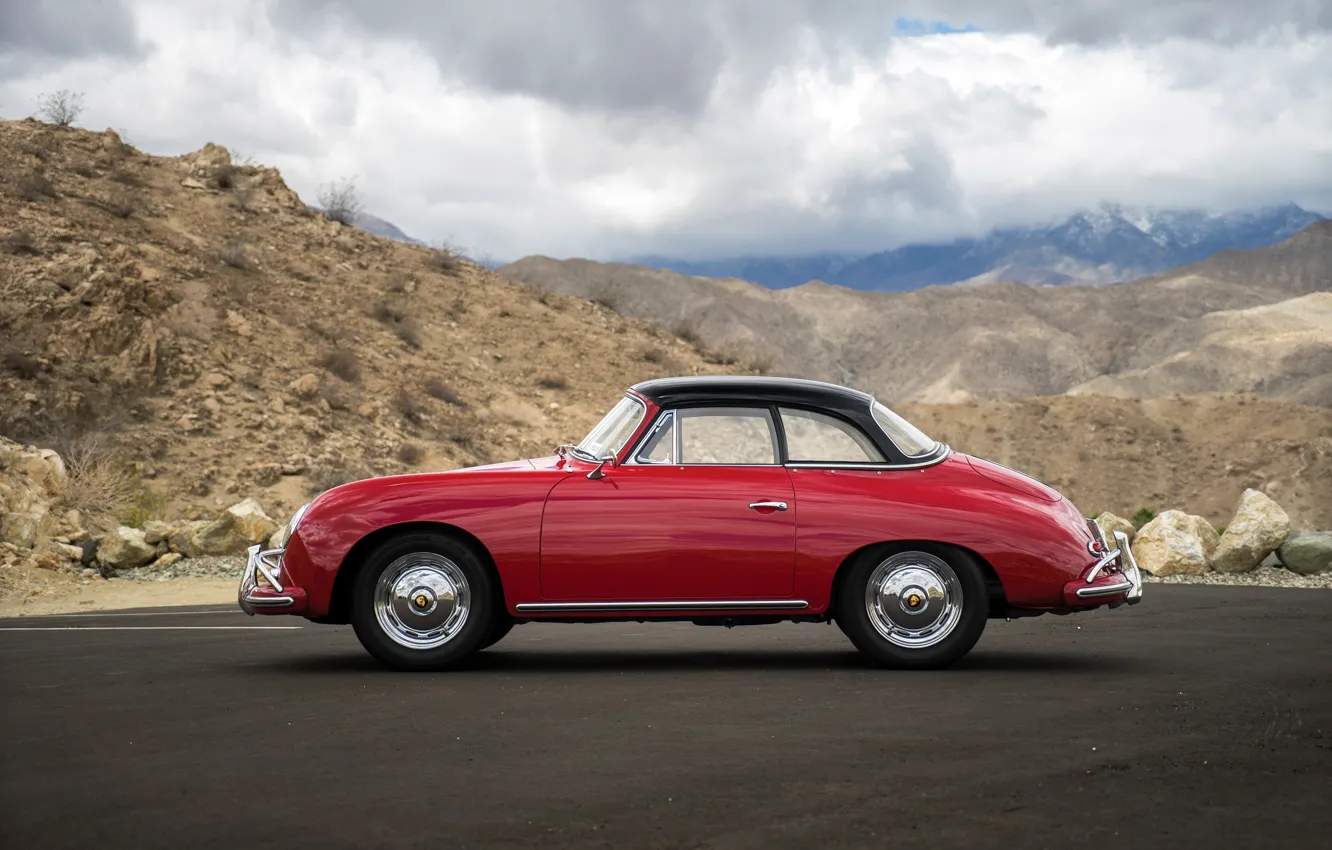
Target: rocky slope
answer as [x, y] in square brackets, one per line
[224, 341]
[1190, 330]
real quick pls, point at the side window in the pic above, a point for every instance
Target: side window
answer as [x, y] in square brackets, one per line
[815, 437]
[660, 444]
[726, 435]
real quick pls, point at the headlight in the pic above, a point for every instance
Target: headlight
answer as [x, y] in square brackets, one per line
[280, 537]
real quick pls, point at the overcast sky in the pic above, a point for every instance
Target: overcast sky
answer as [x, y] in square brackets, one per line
[698, 128]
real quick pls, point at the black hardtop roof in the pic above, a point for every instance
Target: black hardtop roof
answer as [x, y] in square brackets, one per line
[669, 392]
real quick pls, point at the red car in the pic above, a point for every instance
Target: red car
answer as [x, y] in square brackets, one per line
[716, 500]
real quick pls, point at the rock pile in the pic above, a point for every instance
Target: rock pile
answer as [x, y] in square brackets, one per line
[36, 531]
[1175, 543]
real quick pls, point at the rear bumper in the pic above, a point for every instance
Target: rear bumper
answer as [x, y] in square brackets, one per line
[1114, 580]
[261, 589]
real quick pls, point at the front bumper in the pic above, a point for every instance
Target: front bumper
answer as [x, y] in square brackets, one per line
[1114, 580]
[261, 589]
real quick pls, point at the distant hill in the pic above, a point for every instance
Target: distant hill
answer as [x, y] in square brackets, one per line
[379, 227]
[1257, 320]
[1110, 244]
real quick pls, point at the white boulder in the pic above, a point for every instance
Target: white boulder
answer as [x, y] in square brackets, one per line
[1110, 523]
[1259, 527]
[125, 549]
[1175, 543]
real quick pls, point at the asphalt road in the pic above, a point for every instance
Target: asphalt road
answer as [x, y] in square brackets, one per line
[1201, 718]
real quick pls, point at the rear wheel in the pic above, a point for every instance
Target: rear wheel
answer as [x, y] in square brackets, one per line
[913, 608]
[423, 601]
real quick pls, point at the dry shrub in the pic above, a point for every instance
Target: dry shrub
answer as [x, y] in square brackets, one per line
[552, 382]
[21, 242]
[329, 474]
[226, 177]
[96, 482]
[396, 317]
[337, 397]
[342, 363]
[39, 147]
[436, 388]
[23, 365]
[444, 258]
[145, 505]
[388, 313]
[744, 355]
[687, 330]
[411, 453]
[409, 332]
[235, 253]
[122, 203]
[340, 201]
[34, 186]
[126, 177]
[409, 407]
[61, 108]
[515, 412]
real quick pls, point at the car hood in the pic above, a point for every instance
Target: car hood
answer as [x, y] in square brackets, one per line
[1013, 480]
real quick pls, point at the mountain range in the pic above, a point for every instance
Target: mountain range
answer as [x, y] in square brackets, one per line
[1256, 320]
[1109, 244]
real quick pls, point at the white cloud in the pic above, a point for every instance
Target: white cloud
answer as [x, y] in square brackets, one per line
[818, 148]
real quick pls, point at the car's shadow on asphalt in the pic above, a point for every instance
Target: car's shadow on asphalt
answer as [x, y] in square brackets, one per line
[630, 660]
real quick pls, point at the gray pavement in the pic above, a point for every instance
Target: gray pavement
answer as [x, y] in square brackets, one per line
[1201, 718]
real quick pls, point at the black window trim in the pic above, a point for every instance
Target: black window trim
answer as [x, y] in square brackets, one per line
[775, 422]
[775, 432]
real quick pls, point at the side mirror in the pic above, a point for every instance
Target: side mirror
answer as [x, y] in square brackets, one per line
[599, 472]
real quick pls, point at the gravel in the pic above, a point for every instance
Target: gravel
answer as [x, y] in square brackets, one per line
[226, 566]
[1261, 577]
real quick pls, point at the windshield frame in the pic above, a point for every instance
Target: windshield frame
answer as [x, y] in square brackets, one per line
[611, 424]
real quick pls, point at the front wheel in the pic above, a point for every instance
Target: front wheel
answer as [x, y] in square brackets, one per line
[913, 608]
[423, 601]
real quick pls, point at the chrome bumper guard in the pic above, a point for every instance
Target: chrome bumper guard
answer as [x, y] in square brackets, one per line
[268, 563]
[1131, 576]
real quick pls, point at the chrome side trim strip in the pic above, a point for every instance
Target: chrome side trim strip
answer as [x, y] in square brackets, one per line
[1105, 590]
[1102, 564]
[670, 605]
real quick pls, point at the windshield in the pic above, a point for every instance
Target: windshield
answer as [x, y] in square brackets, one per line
[613, 431]
[907, 437]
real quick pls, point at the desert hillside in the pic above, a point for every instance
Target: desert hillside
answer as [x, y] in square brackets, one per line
[194, 318]
[1241, 321]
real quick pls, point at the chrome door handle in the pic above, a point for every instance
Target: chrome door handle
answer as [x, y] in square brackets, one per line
[781, 506]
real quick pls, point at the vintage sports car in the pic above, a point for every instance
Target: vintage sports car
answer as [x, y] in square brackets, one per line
[717, 500]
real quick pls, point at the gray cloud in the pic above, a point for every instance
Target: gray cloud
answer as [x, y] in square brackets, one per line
[618, 55]
[31, 31]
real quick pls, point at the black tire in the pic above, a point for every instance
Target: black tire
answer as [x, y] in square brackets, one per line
[439, 565]
[929, 637]
[502, 625]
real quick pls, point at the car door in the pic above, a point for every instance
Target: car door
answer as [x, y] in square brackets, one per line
[703, 510]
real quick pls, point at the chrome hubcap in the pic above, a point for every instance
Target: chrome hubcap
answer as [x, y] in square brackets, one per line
[422, 600]
[913, 599]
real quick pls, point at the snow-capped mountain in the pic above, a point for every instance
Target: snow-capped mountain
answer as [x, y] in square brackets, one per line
[1108, 244]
